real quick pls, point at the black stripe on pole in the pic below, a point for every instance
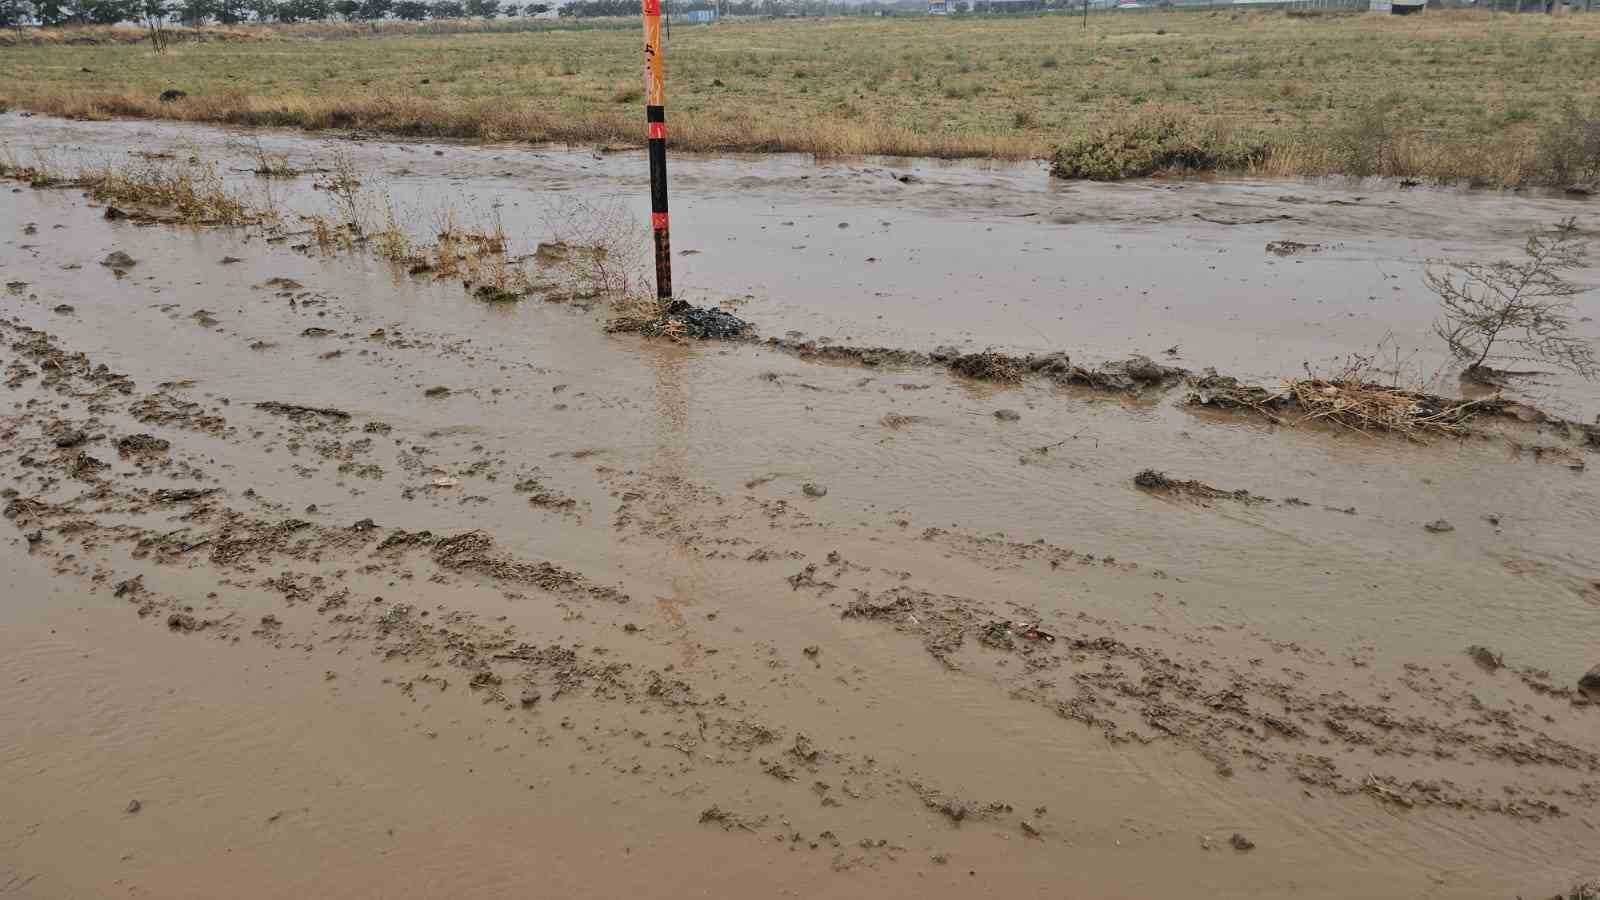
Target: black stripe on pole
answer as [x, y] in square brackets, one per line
[657, 116]
[658, 175]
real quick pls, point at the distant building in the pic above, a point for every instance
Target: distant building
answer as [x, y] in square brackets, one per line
[938, 8]
[697, 15]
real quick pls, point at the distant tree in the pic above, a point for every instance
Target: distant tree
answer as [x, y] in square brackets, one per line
[152, 14]
[536, 9]
[15, 14]
[195, 13]
[482, 9]
[107, 12]
[303, 10]
[373, 10]
[447, 9]
[411, 10]
[345, 9]
[262, 10]
[231, 12]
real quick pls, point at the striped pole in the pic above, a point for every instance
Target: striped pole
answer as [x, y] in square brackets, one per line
[655, 115]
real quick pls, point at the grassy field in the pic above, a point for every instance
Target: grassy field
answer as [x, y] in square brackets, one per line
[1449, 95]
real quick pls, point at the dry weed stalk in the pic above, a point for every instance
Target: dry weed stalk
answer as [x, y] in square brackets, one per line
[599, 253]
[272, 165]
[343, 184]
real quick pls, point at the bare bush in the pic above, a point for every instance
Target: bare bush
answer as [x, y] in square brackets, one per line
[1515, 311]
[1153, 142]
[271, 165]
[602, 252]
[1569, 147]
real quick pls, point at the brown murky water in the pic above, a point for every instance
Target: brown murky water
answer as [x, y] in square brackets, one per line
[576, 628]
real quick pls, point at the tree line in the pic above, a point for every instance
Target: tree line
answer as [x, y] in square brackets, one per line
[58, 13]
[194, 13]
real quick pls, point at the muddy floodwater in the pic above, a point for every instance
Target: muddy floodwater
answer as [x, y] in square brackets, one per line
[322, 579]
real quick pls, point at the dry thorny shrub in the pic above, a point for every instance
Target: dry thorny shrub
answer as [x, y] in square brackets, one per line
[600, 252]
[1515, 311]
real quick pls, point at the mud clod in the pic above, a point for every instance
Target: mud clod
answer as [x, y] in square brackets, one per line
[1007, 415]
[989, 366]
[297, 412]
[1241, 843]
[1290, 248]
[141, 444]
[812, 489]
[1158, 482]
[119, 260]
[1439, 526]
[1589, 684]
[183, 622]
[1488, 659]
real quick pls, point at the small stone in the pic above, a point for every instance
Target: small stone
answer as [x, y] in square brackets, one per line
[118, 260]
[1439, 526]
[1241, 843]
[133, 807]
[812, 651]
[1007, 415]
[811, 489]
[530, 699]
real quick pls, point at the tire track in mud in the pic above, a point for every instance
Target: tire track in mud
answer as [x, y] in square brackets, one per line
[317, 572]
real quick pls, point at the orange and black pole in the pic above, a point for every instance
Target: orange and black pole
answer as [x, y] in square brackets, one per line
[655, 114]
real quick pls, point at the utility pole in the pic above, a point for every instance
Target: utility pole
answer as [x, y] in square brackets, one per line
[655, 116]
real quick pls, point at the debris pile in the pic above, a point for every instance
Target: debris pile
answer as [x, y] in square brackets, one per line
[683, 319]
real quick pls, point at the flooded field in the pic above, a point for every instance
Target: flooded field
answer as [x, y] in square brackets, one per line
[326, 578]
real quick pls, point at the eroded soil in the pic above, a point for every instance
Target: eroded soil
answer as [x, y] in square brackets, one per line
[325, 578]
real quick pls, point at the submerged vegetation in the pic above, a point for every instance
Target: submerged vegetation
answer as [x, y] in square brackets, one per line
[1134, 94]
[477, 251]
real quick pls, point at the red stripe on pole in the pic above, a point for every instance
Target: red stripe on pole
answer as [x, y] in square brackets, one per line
[652, 7]
[658, 221]
[658, 131]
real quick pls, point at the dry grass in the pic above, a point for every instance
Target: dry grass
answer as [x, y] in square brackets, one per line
[1366, 406]
[1359, 396]
[187, 192]
[1302, 95]
[362, 219]
[194, 191]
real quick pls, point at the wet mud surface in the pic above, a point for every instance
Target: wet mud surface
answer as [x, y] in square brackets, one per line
[1255, 278]
[326, 578]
